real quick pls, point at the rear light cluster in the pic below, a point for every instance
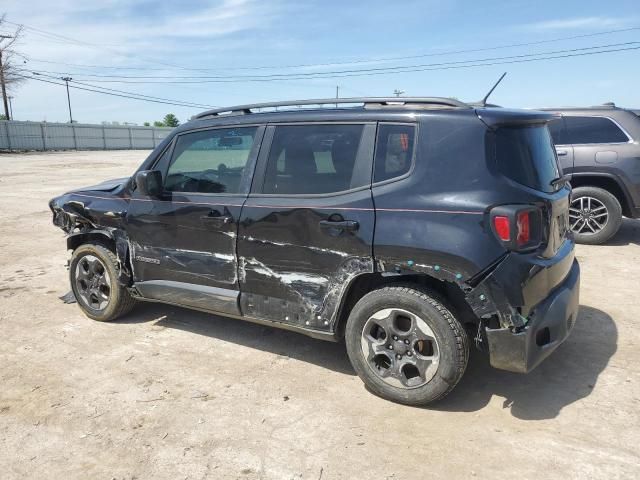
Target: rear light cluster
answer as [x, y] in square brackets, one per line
[518, 227]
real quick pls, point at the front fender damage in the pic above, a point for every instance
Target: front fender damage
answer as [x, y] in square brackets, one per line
[88, 219]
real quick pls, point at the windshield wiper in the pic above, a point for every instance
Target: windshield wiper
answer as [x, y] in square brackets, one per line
[560, 181]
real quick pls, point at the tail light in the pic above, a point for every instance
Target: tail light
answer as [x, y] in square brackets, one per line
[523, 222]
[502, 226]
[518, 227]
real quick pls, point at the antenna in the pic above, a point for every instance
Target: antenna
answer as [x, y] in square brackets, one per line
[483, 102]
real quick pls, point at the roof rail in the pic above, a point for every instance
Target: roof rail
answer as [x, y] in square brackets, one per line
[367, 101]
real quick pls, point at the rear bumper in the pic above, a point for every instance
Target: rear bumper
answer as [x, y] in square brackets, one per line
[549, 324]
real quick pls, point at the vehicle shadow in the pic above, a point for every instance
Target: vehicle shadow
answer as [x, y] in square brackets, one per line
[568, 375]
[629, 233]
[330, 355]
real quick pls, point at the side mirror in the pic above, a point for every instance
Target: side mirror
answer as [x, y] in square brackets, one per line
[149, 182]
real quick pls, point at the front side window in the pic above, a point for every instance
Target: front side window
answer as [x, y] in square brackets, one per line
[394, 151]
[312, 159]
[210, 161]
[586, 130]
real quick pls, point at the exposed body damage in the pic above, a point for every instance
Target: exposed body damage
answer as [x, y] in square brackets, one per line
[97, 214]
[302, 261]
[198, 263]
[309, 301]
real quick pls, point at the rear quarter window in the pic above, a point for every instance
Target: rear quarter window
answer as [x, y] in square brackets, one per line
[394, 151]
[527, 156]
[588, 130]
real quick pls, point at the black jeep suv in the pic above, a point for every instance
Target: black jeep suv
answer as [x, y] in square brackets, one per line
[410, 227]
[600, 148]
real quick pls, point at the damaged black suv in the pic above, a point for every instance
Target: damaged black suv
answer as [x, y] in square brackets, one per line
[410, 227]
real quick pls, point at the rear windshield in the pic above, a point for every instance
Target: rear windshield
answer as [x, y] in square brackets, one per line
[527, 156]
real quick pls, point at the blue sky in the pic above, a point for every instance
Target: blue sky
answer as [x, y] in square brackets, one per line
[220, 38]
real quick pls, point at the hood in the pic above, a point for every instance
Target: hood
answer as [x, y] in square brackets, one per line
[106, 186]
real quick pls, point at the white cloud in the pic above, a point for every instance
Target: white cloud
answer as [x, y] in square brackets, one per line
[578, 23]
[134, 33]
[112, 26]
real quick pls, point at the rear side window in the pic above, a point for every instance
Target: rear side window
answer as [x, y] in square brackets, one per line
[394, 151]
[556, 128]
[312, 159]
[527, 156]
[210, 161]
[586, 130]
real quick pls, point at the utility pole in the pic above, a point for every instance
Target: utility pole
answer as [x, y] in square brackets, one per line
[2, 81]
[337, 93]
[10, 108]
[66, 81]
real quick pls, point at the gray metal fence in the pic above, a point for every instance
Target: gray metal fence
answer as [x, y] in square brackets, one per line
[77, 136]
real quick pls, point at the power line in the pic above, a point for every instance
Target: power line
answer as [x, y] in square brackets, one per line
[368, 74]
[549, 55]
[126, 92]
[144, 96]
[114, 94]
[335, 63]
[453, 67]
[81, 65]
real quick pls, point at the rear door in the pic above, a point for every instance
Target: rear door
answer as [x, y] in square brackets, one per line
[564, 150]
[307, 227]
[184, 242]
[595, 140]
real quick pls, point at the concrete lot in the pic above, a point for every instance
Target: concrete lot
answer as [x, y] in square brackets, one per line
[169, 393]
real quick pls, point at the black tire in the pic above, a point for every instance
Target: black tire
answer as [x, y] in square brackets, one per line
[582, 232]
[451, 339]
[119, 300]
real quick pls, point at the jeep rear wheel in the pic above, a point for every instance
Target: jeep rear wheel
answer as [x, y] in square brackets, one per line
[406, 345]
[595, 215]
[93, 272]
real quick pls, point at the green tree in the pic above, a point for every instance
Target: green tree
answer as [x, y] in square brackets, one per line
[147, 124]
[170, 120]
[158, 123]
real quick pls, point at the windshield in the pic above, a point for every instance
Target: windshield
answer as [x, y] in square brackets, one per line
[526, 155]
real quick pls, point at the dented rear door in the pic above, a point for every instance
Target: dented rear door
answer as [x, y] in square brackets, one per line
[306, 229]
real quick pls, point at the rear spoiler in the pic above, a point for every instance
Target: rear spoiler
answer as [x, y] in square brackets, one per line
[500, 117]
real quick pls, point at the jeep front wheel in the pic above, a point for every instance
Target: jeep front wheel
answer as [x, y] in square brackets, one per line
[93, 272]
[406, 345]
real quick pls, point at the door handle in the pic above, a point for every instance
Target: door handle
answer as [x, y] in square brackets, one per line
[561, 153]
[348, 225]
[215, 217]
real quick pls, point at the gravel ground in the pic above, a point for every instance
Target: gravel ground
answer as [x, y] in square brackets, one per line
[170, 393]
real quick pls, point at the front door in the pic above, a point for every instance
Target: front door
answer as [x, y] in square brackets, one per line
[183, 243]
[307, 227]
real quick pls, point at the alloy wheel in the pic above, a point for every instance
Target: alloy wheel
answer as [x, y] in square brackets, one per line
[92, 282]
[587, 215]
[400, 348]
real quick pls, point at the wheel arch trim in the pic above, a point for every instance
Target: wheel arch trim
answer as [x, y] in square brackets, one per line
[627, 204]
[114, 239]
